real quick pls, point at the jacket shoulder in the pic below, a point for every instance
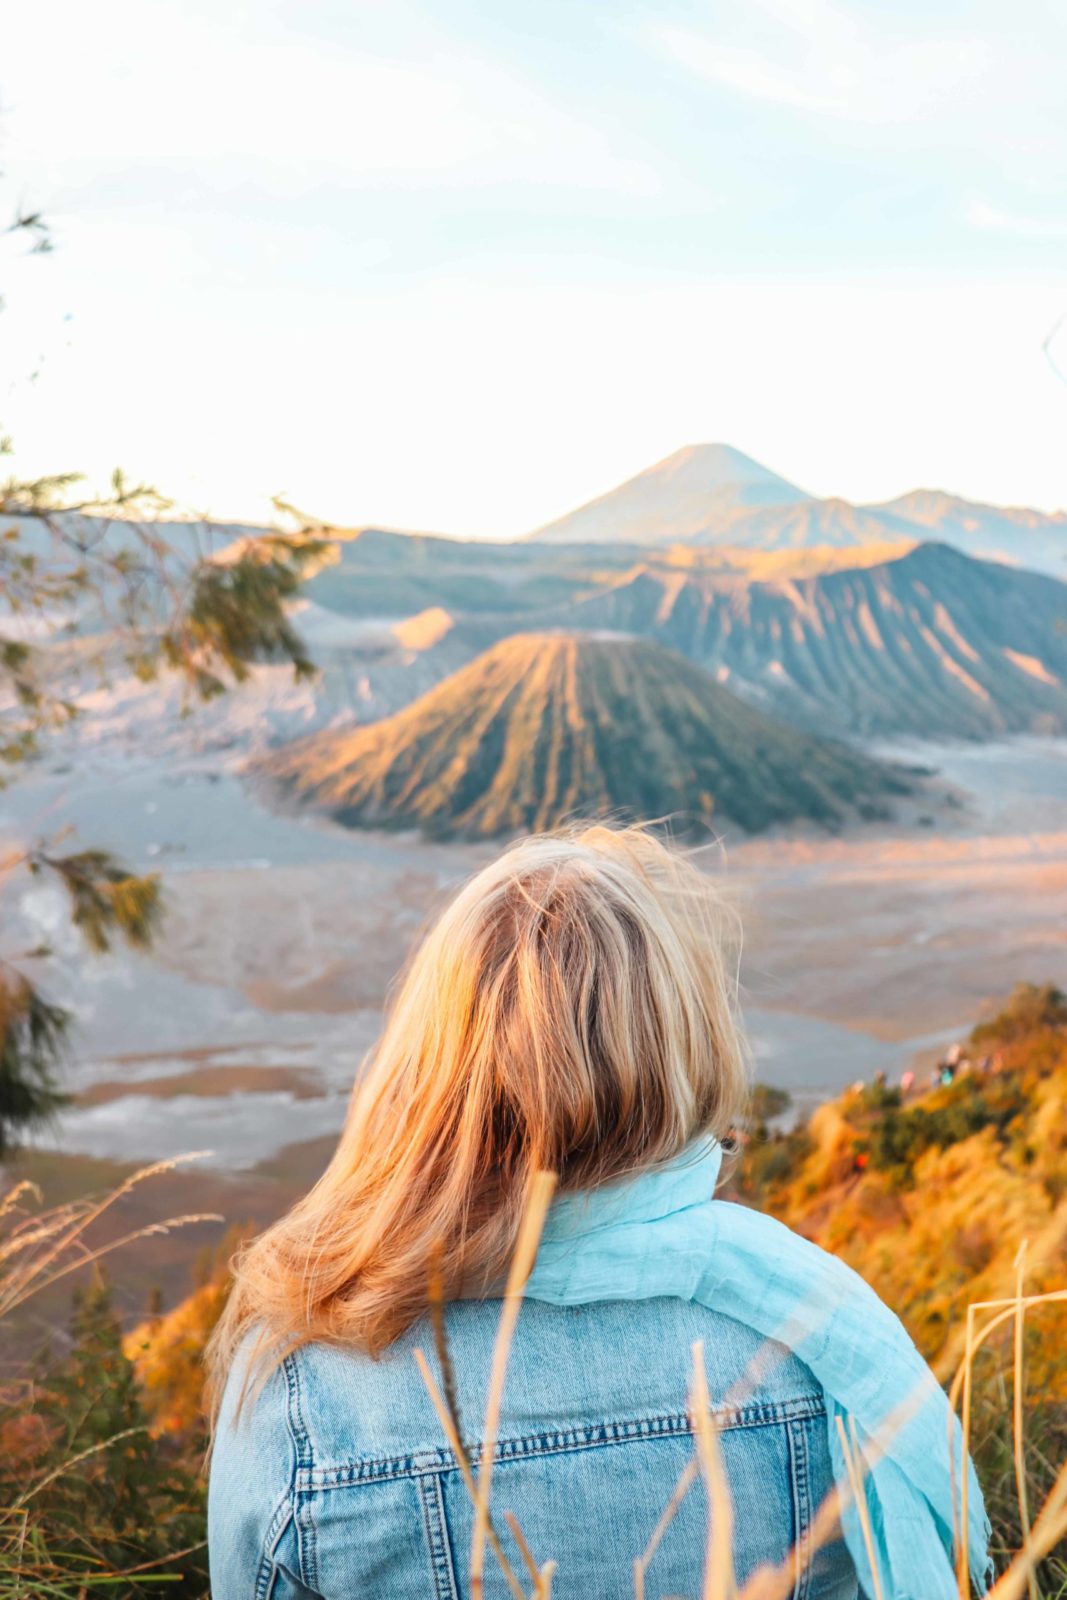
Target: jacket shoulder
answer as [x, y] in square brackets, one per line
[259, 1446]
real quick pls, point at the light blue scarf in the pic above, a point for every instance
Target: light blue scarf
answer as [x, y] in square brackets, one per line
[663, 1234]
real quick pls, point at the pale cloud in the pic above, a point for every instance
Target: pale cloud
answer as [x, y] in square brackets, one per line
[822, 58]
[744, 70]
[993, 219]
[292, 108]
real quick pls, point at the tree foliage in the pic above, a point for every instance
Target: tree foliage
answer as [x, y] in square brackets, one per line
[127, 599]
[127, 592]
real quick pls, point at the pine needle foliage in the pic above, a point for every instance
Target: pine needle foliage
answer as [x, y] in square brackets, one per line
[106, 899]
[108, 903]
[33, 1035]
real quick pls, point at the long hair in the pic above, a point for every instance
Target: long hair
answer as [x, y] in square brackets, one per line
[572, 1009]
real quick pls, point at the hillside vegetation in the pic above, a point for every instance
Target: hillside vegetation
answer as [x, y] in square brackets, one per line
[931, 1198]
[545, 727]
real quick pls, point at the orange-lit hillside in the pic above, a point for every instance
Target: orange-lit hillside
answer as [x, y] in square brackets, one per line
[930, 1198]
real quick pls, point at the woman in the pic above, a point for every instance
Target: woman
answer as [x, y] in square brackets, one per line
[570, 1012]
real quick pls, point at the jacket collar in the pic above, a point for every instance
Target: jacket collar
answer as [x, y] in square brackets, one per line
[688, 1180]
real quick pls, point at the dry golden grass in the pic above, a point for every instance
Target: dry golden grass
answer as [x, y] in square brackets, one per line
[39, 1249]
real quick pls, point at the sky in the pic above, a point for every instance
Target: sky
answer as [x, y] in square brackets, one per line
[460, 267]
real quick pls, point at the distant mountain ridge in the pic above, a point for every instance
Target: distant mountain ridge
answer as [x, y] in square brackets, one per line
[1018, 535]
[713, 494]
[702, 496]
[929, 643]
[546, 727]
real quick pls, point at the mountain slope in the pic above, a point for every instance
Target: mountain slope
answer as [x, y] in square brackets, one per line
[931, 643]
[674, 500]
[543, 727]
[833, 523]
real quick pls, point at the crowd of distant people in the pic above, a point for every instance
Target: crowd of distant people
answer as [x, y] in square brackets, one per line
[952, 1065]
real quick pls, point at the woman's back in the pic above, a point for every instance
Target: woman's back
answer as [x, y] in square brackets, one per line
[338, 1481]
[568, 1020]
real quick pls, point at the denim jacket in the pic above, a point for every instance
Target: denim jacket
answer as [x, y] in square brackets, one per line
[338, 1481]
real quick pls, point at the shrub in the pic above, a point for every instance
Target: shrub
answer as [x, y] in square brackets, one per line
[1033, 1008]
[112, 1510]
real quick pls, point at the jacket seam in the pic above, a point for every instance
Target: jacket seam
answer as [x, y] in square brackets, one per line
[372, 1469]
[801, 1476]
[303, 1473]
[440, 1546]
[283, 1513]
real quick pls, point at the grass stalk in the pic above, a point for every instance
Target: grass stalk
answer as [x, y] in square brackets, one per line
[448, 1423]
[686, 1479]
[1047, 1532]
[1017, 1436]
[963, 1572]
[853, 1456]
[720, 1580]
[524, 1549]
[61, 1234]
[522, 1261]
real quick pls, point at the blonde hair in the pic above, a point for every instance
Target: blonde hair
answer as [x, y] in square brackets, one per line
[572, 1009]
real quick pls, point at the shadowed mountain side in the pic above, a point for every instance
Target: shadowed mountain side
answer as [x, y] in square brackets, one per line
[381, 573]
[930, 644]
[545, 727]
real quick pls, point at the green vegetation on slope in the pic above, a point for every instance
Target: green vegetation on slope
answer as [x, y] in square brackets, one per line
[547, 727]
[98, 1495]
